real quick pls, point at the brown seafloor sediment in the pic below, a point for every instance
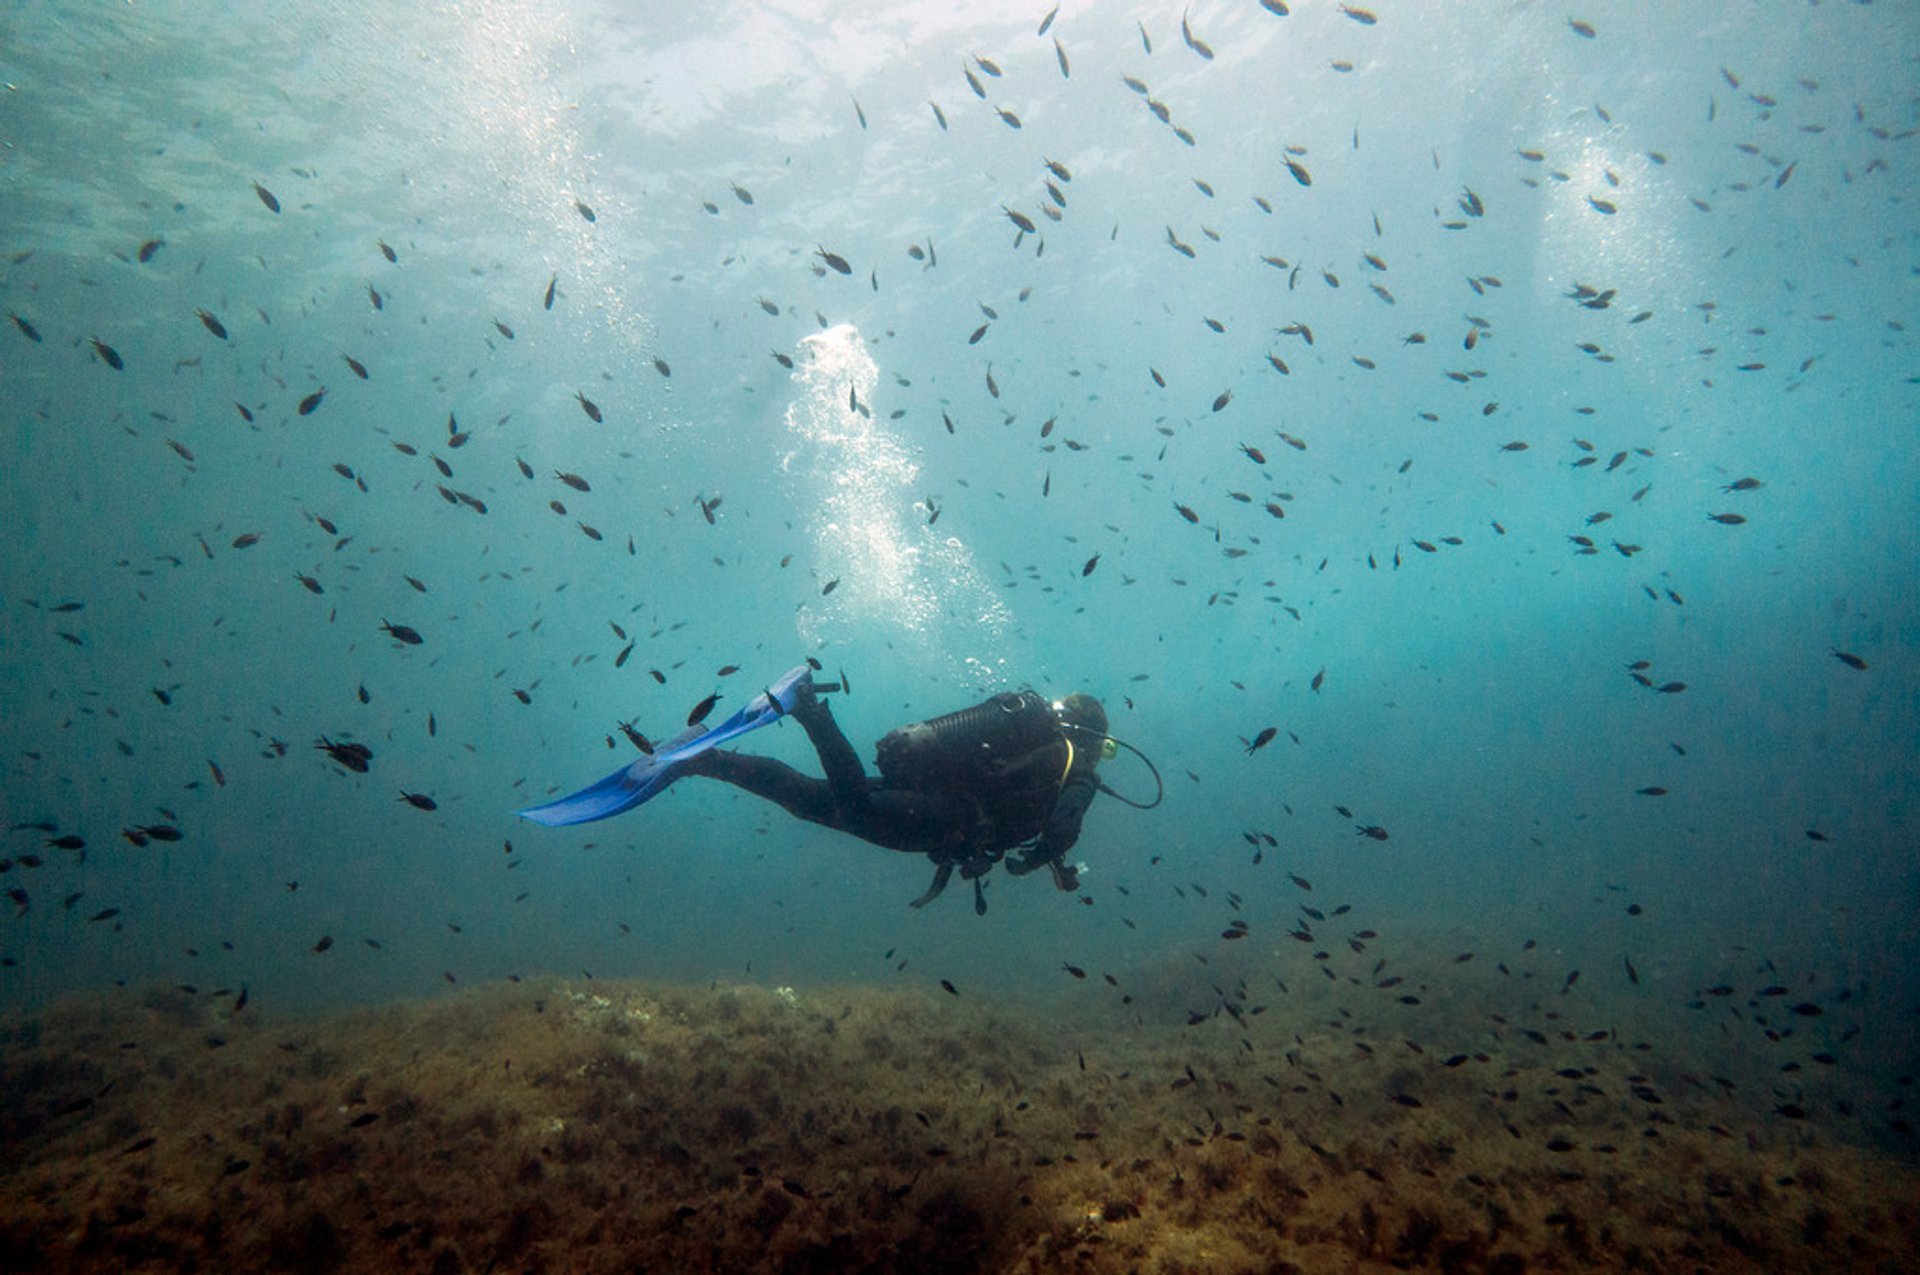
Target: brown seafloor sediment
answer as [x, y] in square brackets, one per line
[593, 1126]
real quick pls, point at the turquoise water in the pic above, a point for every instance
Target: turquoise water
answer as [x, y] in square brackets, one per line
[1737, 178]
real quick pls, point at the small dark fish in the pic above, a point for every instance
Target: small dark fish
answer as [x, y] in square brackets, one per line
[212, 324]
[1651, 791]
[547, 302]
[1087, 570]
[387, 252]
[1373, 830]
[419, 800]
[266, 197]
[1730, 520]
[1849, 659]
[27, 330]
[503, 329]
[326, 941]
[700, 710]
[829, 586]
[834, 261]
[108, 355]
[588, 406]
[354, 757]
[1074, 970]
[948, 988]
[312, 401]
[403, 633]
[574, 481]
[1261, 740]
[585, 211]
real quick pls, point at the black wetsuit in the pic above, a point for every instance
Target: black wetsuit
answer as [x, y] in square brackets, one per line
[968, 817]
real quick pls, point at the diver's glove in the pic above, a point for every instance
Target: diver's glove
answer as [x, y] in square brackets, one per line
[1026, 861]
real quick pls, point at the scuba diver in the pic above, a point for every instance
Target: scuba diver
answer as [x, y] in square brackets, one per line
[1012, 774]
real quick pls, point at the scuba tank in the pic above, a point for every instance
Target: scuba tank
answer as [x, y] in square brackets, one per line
[953, 752]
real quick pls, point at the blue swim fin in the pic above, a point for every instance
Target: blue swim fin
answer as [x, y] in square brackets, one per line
[638, 781]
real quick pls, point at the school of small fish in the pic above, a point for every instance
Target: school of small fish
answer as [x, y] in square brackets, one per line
[1300, 301]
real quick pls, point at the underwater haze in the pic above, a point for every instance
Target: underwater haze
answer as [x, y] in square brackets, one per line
[1467, 448]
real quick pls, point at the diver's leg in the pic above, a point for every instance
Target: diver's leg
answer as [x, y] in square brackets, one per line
[845, 776]
[914, 822]
[799, 795]
[891, 818]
